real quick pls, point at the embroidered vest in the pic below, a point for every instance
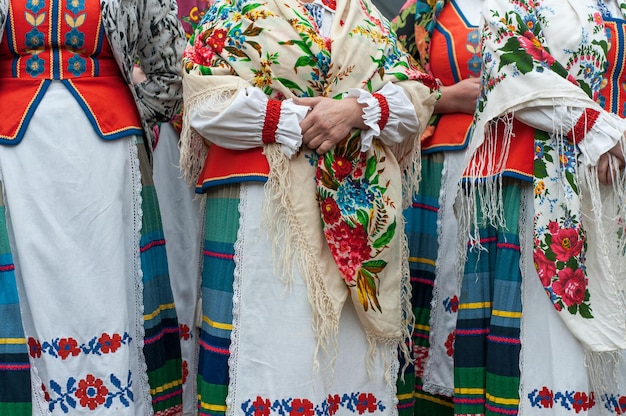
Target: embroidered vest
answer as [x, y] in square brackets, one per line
[612, 96]
[48, 40]
[455, 55]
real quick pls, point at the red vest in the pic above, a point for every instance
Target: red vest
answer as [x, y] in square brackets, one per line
[64, 41]
[454, 56]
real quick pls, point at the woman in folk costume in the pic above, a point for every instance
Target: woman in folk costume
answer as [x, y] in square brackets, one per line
[87, 321]
[182, 225]
[444, 37]
[310, 115]
[556, 230]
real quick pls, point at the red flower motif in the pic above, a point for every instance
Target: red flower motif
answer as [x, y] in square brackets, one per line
[553, 227]
[546, 397]
[366, 401]
[534, 48]
[454, 304]
[581, 402]
[301, 407]
[342, 167]
[109, 344]
[217, 39]
[565, 244]
[330, 211]
[261, 406]
[67, 347]
[449, 344]
[184, 332]
[571, 286]
[185, 370]
[91, 392]
[546, 269]
[34, 347]
[199, 53]
[349, 247]
[333, 404]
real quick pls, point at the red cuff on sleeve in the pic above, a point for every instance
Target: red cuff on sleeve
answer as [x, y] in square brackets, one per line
[272, 116]
[384, 110]
[583, 125]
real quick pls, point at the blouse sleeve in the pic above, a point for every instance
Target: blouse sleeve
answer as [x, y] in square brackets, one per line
[160, 52]
[250, 121]
[388, 113]
[594, 131]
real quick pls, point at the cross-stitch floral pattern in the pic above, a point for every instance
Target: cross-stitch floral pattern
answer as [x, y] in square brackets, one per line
[334, 404]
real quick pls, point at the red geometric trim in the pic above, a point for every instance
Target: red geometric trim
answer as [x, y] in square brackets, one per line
[583, 125]
[272, 115]
[384, 110]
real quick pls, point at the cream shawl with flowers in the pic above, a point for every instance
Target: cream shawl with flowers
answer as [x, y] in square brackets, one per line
[543, 54]
[358, 242]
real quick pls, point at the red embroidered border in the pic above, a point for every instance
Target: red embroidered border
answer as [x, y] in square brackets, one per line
[384, 110]
[272, 115]
[583, 125]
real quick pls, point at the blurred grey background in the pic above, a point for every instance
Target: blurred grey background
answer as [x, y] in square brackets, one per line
[390, 8]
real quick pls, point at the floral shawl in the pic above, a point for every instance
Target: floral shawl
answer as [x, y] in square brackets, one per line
[558, 47]
[339, 216]
[414, 26]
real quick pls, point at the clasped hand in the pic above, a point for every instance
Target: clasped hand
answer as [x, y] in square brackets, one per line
[329, 121]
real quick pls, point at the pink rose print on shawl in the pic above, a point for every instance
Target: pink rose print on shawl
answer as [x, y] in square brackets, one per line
[545, 268]
[571, 286]
[534, 48]
[355, 213]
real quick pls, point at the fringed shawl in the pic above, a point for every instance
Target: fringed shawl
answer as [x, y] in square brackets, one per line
[338, 217]
[545, 54]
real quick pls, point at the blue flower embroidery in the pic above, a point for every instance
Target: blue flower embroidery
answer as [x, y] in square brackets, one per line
[34, 39]
[35, 5]
[76, 6]
[76, 65]
[35, 66]
[74, 39]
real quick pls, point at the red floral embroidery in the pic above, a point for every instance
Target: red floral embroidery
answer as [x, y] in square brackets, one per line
[91, 392]
[582, 402]
[34, 347]
[449, 344]
[566, 244]
[184, 331]
[109, 344]
[185, 370]
[367, 402]
[67, 347]
[330, 211]
[333, 404]
[301, 407]
[261, 406]
[546, 397]
[571, 286]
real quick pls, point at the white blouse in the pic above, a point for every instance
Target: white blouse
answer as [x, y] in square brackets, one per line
[240, 126]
